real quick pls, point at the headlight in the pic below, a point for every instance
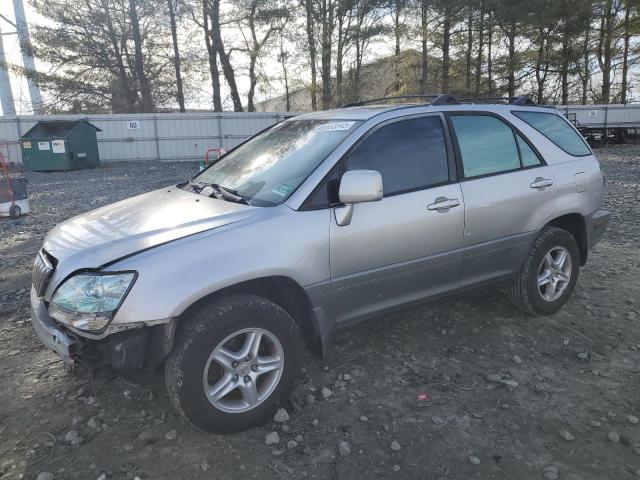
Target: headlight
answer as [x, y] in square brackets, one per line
[88, 301]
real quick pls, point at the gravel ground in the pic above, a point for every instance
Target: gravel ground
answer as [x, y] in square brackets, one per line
[465, 389]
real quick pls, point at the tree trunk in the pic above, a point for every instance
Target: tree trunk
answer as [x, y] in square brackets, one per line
[564, 67]
[424, 12]
[625, 55]
[176, 55]
[605, 49]
[511, 72]
[312, 53]
[586, 72]
[490, 58]
[227, 68]
[143, 81]
[339, 56]
[212, 51]
[480, 48]
[325, 45]
[469, 47]
[539, 59]
[285, 77]
[446, 40]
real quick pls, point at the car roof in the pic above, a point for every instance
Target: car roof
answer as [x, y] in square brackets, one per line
[368, 111]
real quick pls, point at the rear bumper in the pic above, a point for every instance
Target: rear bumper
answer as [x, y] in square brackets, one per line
[49, 333]
[596, 224]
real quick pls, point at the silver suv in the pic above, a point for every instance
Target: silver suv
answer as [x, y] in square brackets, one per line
[314, 224]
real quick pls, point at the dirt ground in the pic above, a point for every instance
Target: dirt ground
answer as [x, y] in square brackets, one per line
[507, 396]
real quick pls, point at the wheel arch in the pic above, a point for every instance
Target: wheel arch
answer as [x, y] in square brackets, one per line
[575, 224]
[284, 292]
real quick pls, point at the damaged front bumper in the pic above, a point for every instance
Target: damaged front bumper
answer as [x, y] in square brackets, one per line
[65, 344]
[141, 348]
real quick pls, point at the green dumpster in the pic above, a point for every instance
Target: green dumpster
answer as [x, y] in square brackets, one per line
[60, 145]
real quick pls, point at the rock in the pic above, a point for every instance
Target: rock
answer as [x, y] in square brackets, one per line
[45, 476]
[292, 444]
[595, 423]
[272, 438]
[632, 419]
[344, 449]
[281, 416]
[613, 437]
[437, 420]
[326, 393]
[76, 441]
[298, 438]
[363, 418]
[346, 377]
[204, 465]
[171, 435]
[516, 359]
[550, 472]
[146, 437]
[311, 399]
[396, 468]
[323, 456]
[474, 460]
[493, 378]
[93, 423]
[566, 435]
[285, 428]
[583, 357]
[314, 422]
[71, 435]
[395, 446]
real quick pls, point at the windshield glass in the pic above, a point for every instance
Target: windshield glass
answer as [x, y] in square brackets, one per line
[267, 169]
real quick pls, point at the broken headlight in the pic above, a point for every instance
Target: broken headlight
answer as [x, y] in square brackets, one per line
[88, 301]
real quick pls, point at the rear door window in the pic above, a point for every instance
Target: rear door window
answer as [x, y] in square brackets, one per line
[556, 129]
[487, 145]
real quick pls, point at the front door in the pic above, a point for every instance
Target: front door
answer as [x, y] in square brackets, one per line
[407, 246]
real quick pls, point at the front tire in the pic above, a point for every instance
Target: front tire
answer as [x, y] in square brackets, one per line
[234, 363]
[549, 273]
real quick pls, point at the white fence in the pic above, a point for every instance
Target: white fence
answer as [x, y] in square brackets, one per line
[161, 136]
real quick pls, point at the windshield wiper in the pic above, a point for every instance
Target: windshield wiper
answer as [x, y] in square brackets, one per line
[220, 192]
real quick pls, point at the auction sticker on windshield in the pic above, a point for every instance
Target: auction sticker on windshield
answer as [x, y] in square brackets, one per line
[333, 126]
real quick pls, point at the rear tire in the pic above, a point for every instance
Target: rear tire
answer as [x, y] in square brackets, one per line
[212, 355]
[549, 273]
[15, 211]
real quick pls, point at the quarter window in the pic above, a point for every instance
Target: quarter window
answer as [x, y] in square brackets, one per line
[556, 129]
[409, 154]
[528, 156]
[487, 145]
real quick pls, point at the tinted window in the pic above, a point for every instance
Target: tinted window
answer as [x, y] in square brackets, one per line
[556, 129]
[487, 145]
[409, 155]
[528, 156]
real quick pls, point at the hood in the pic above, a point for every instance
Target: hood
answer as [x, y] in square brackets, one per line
[108, 233]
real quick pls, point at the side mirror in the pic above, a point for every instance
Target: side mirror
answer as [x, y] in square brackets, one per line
[357, 186]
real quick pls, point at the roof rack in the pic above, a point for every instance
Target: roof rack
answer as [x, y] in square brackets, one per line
[438, 99]
[520, 100]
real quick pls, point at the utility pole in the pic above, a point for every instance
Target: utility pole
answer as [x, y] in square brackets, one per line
[6, 95]
[27, 56]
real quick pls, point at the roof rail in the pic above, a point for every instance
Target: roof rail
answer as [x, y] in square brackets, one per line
[438, 99]
[519, 100]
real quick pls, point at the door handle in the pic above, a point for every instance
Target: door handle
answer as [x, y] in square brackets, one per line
[541, 183]
[442, 204]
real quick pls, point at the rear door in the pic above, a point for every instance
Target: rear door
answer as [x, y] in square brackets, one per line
[509, 195]
[405, 247]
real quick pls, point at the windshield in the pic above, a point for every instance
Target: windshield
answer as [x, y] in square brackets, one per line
[267, 169]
